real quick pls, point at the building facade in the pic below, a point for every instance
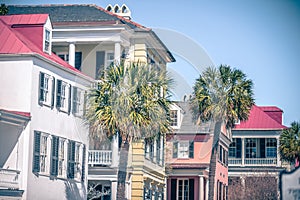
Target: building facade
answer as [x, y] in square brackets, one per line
[43, 140]
[188, 154]
[254, 161]
[90, 38]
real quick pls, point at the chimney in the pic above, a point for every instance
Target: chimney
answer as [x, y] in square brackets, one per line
[122, 11]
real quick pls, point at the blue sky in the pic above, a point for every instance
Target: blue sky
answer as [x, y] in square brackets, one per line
[262, 38]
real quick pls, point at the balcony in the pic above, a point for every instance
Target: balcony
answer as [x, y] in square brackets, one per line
[100, 157]
[9, 179]
[253, 162]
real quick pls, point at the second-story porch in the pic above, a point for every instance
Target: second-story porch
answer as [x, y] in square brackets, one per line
[245, 151]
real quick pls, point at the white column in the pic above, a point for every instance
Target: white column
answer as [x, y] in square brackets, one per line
[243, 151]
[115, 151]
[206, 189]
[278, 154]
[72, 54]
[113, 190]
[117, 53]
[201, 188]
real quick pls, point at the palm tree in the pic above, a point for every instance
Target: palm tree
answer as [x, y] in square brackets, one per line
[129, 101]
[3, 9]
[222, 95]
[290, 143]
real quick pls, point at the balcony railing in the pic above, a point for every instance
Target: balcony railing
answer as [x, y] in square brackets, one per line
[100, 157]
[253, 161]
[9, 178]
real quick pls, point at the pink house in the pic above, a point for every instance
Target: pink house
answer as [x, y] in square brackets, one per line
[188, 155]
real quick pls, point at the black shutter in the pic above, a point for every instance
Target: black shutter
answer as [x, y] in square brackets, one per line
[74, 100]
[262, 147]
[41, 87]
[78, 58]
[191, 149]
[36, 152]
[54, 156]
[70, 99]
[83, 163]
[53, 93]
[71, 159]
[58, 94]
[173, 189]
[220, 153]
[175, 149]
[238, 148]
[191, 189]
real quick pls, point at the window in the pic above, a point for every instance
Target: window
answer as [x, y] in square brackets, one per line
[109, 58]
[76, 161]
[58, 157]
[77, 108]
[235, 148]
[40, 160]
[47, 41]
[173, 118]
[46, 89]
[271, 147]
[158, 149]
[223, 155]
[78, 58]
[183, 189]
[183, 149]
[63, 95]
[251, 144]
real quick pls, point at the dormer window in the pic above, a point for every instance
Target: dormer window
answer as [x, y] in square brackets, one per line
[174, 117]
[47, 41]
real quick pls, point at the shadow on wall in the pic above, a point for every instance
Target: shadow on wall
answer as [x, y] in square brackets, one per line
[73, 192]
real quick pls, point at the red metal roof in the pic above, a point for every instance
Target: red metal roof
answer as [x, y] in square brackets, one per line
[25, 19]
[259, 119]
[20, 40]
[25, 114]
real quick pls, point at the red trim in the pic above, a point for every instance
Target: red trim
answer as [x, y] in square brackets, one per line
[25, 114]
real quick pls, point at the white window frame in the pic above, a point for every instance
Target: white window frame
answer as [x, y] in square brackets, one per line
[46, 89]
[183, 149]
[174, 118]
[64, 96]
[251, 148]
[47, 40]
[61, 168]
[232, 149]
[77, 101]
[108, 61]
[78, 161]
[183, 187]
[44, 153]
[274, 148]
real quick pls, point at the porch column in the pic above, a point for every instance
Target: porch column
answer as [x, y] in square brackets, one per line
[113, 190]
[115, 151]
[278, 154]
[206, 189]
[243, 151]
[201, 188]
[72, 54]
[117, 53]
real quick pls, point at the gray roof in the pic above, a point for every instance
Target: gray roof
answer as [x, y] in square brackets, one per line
[69, 13]
[189, 124]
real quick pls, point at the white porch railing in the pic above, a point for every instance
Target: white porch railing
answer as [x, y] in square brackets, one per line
[9, 178]
[253, 161]
[100, 157]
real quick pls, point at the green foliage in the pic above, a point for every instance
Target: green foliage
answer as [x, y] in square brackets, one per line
[290, 143]
[3, 9]
[128, 100]
[224, 94]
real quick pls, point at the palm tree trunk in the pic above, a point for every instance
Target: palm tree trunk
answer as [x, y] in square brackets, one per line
[213, 160]
[122, 171]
